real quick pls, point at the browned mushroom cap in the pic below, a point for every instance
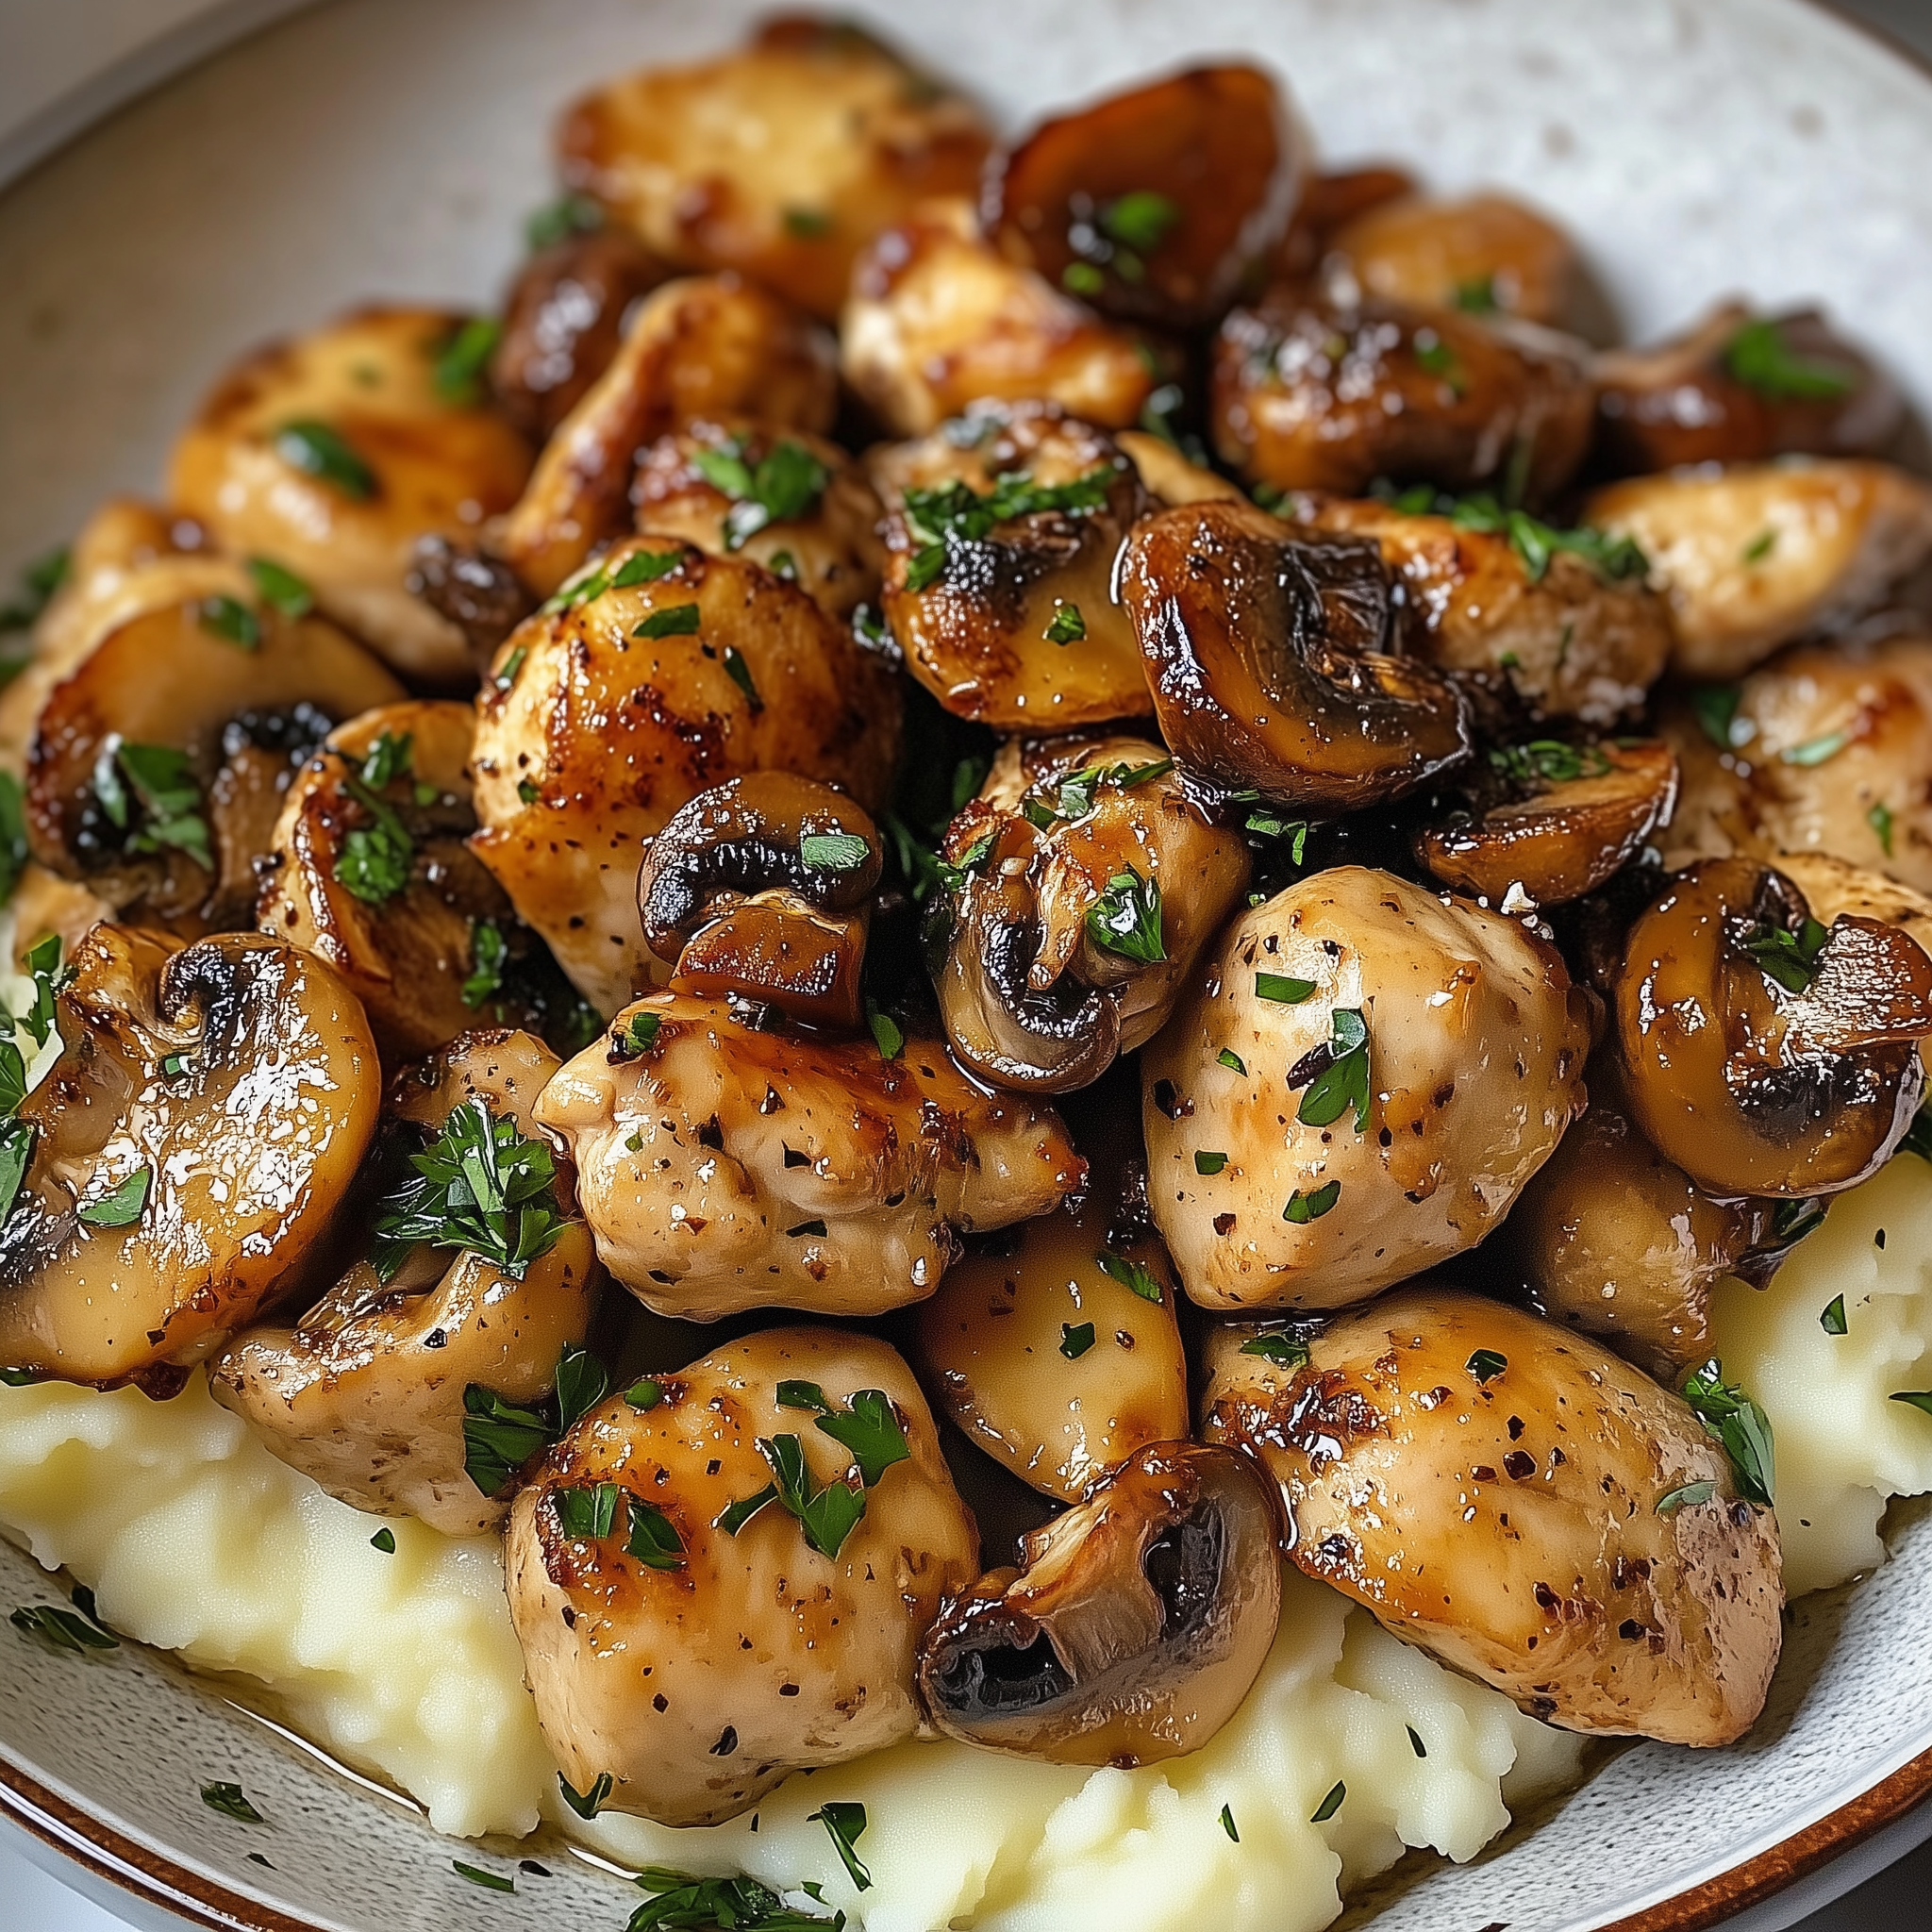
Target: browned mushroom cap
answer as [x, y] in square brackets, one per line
[562, 321]
[1152, 204]
[1741, 388]
[761, 886]
[1136, 1625]
[1578, 814]
[1310, 396]
[481, 596]
[188, 1149]
[1329, 204]
[1267, 657]
[1764, 1053]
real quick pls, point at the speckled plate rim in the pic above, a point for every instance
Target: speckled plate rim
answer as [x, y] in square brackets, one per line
[1846, 1846]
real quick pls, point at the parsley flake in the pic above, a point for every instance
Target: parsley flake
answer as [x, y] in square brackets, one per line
[377, 858]
[63, 1630]
[832, 851]
[1232, 1060]
[1067, 626]
[785, 484]
[323, 453]
[582, 1383]
[1485, 1364]
[1282, 989]
[1075, 1340]
[230, 620]
[645, 1393]
[231, 1802]
[162, 784]
[1284, 1351]
[1227, 1823]
[674, 621]
[740, 673]
[845, 1822]
[585, 1804]
[463, 357]
[1879, 819]
[1716, 710]
[1135, 1277]
[683, 1904]
[953, 514]
[1833, 1319]
[1687, 1497]
[1335, 1074]
[281, 588]
[1330, 1805]
[385, 1540]
[489, 1881]
[1790, 958]
[1126, 918]
[1305, 1208]
[1730, 1415]
[120, 1207]
[499, 1438]
[1761, 357]
[1208, 1165]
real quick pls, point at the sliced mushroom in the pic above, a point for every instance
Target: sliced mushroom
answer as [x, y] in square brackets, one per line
[1741, 388]
[366, 1393]
[938, 319]
[762, 888]
[1565, 619]
[189, 1151]
[1571, 816]
[370, 869]
[709, 349]
[700, 1651]
[1137, 1623]
[1311, 395]
[1169, 478]
[1329, 202]
[1763, 1052]
[333, 453]
[1484, 255]
[1823, 750]
[722, 1167]
[781, 159]
[1088, 885]
[1514, 1500]
[604, 716]
[1362, 1081]
[1001, 538]
[158, 763]
[1055, 1349]
[1157, 202]
[481, 595]
[1269, 659]
[1749, 559]
[562, 321]
[796, 504]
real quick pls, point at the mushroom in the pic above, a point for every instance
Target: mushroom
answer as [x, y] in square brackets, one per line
[723, 1577]
[1135, 1627]
[1155, 203]
[722, 1167]
[762, 888]
[1571, 816]
[1763, 1053]
[1169, 477]
[1741, 388]
[794, 503]
[562, 321]
[1565, 619]
[1055, 1348]
[1329, 202]
[704, 349]
[781, 159]
[1511, 1498]
[480, 594]
[1749, 559]
[332, 453]
[370, 869]
[370, 1392]
[1001, 535]
[1269, 658]
[1364, 1079]
[1484, 255]
[938, 318]
[187, 1153]
[1825, 750]
[1086, 884]
[158, 763]
[656, 676]
[1310, 394]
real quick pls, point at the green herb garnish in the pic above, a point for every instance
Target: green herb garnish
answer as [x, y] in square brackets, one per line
[1141, 219]
[832, 851]
[462, 360]
[1283, 990]
[281, 588]
[63, 1630]
[559, 220]
[1687, 1497]
[582, 1383]
[1760, 358]
[828, 1514]
[1485, 1365]
[957, 513]
[38, 583]
[1208, 1165]
[674, 621]
[740, 673]
[784, 484]
[1075, 1340]
[1067, 626]
[887, 1034]
[499, 1438]
[1232, 1061]
[1133, 1276]
[1790, 958]
[845, 1822]
[1878, 818]
[120, 1207]
[322, 453]
[1284, 1351]
[1716, 708]
[1126, 918]
[645, 1393]
[230, 1802]
[1341, 1074]
[1833, 1319]
[230, 620]
[683, 1904]
[1227, 1823]
[385, 1540]
[1305, 1208]
[489, 1881]
[868, 1431]
[377, 858]
[1330, 1805]
[806, 224]
[585, 1804]
[162, 781]
[1551, 761]
[1739, 1425]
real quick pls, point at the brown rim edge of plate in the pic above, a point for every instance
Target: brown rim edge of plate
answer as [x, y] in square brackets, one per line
[156, 1879]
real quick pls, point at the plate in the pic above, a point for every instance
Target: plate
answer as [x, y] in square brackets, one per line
[390, 147]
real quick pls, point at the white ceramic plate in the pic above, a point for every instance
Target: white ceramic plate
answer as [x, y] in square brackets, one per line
[389, 148]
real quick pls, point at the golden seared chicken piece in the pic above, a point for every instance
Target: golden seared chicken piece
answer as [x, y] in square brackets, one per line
[1088, 885]
[782, 159]
[330, 454]
[938, 319]
[1741, 388]
[562, 321]
[1825, 750]
[1484, 255]
[722, 1167]
[794, 503]
[1001, 536]
[1313, 394]
[1156, 203]
[1516, 1501]
[183, 1159]
[722, 1578]
[1169, 477]
[1137, 1623]
[1575, 629]
[370, 868]
[158, 763]
[1360, 1083]
[1617, 1240]
[368, 1392]
[709, 349]
[663, 673]
[1752, 558]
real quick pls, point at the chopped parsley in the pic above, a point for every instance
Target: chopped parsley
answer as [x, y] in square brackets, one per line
[463, 357]
[582, 1383]
[845, 1822]
[1760, 546]
[1125, 919]
[230, 620]
[512, 665]
[1687, 1497]
[1082, 278]
[16, 1150]
[740, 673]
[1914, 1398]
[887, 1034]
[489, 1881]
[1283, 990]
[832, 851]
[1075, 1340]
[161, 782]
[385, 1540]
[1436, 358]
[1551, 761]
[281, 588]
[829, 1513]
[956, 513]
[806, 224]
[559, 220]
[389, 759]
[1879, 819]
[529, 792]
[1485, 1364]
[1330, 1805]
[322, 453]
[1232, 1060]
[1790, 958]
[674, 621]
[638, 1036]
[49, 978]
[1284, 1351]
[1305, 1208]
[1067, 626]
[499, 1438]
[1227, 1823]
[645, 1393]
[1537, 543]
[1335, 1074]
[1715, 707]
[1833, 1319]
[1141, 219]
[784, 483]
[1731, 1415]
[1477, 297]
[488, 957]
[13, 848]
[1208, 1165]
[1816, 751]
[1760, 358]
[585, 1804]
[231, 1802]
[683, 1904]
[377, 858]
[1135, 1277]
[120, 1207]
[63, 1630]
